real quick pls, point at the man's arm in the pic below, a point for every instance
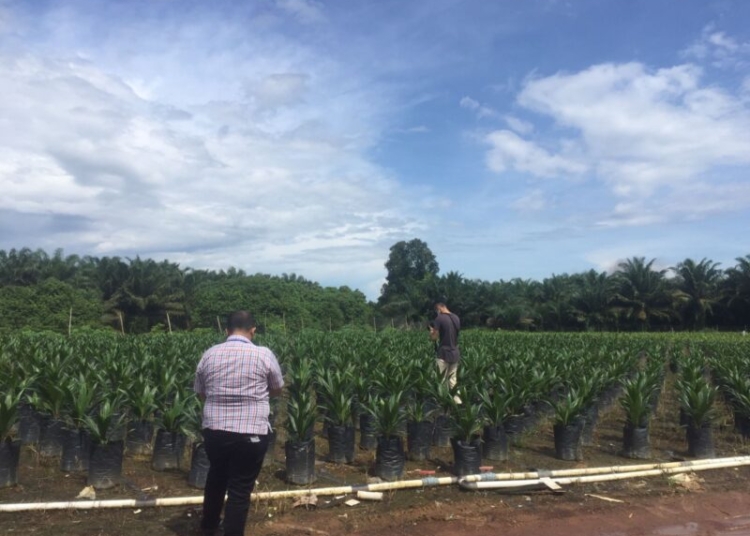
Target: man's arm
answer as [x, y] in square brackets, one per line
[275, 377]
[434, 334]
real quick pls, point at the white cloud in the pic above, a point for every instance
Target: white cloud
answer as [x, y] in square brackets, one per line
[307, 11]
[243, 182]
[644, 129]
[719, 50]
[694, 201]
[473, 105]
[519, 125]
[509, 151]
[533, 201]
[279, 89]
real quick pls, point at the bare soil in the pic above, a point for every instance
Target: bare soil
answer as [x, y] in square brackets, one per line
[719, 505]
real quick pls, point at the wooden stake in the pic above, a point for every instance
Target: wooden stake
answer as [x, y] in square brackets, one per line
[70, 321]
[122, 324]
[169, 322]
[218, 323]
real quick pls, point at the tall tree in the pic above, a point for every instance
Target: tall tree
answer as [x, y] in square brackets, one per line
[411, 269]
[592, 299]
[643, 297]
[698, 284]
[737, 290]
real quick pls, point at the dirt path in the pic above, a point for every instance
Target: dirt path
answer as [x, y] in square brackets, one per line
[717, 503]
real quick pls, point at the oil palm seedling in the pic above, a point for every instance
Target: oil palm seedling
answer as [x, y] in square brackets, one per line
[10, 447]
[636, 403]
[420, 408]
[697, 400]
[299, 447]
[51, 392]
[142, 401]
[568, 425]
[389, 419]
[468, 421]
[337, 396]
[199, 464]
[497, 400]
[105, 455]
[171, 424]
[81, 395]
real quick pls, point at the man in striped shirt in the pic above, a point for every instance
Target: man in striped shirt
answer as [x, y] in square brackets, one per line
[235, 380]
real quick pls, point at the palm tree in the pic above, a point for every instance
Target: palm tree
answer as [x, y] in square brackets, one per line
[556, 293]
[592, 301]
[699, 288]
[737, 290]
[644, 296]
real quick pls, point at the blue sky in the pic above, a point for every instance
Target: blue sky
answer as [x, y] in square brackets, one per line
[518, 139]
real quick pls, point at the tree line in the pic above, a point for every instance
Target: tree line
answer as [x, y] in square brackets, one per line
[692, 295]
[133, 295]
[43, 291]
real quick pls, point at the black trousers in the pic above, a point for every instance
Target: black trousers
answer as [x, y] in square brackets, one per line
[236, 460]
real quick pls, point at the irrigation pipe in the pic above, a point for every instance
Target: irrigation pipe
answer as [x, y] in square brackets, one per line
[565, 476]
[684, 467]
[585, 471]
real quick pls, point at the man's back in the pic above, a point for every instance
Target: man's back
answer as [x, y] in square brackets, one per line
[235, 378]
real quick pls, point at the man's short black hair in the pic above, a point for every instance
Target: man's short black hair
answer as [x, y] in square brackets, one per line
[240, 320]
[440, 301]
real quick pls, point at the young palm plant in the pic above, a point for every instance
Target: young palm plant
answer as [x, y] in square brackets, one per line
[568, 427]
[389, 419]
[172, 421]
[336, 391]
[105, 455]
[301, 410]
[697, 402]
[81, 396]
[497, 401]
[142, 398]
[636, 402]
[9, 448]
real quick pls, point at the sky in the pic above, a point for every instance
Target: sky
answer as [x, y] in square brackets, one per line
[517, 139]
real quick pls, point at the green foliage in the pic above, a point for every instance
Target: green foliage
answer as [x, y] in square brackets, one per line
[103, 422]
[81, 395]
[10, 401]
[175, 416]
[388, 414]
[38, 291]
[569, 407]
[468, 418]
[697, 400]
[300, 417]
[636, 398]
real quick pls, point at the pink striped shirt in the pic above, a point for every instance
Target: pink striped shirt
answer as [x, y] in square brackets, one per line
[235, 378]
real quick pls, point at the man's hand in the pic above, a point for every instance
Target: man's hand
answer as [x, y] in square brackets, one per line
[273, 393]
[434, 334]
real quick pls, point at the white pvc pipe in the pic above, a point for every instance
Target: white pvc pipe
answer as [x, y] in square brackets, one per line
[483, 481]
[740, 460]
[506, 484]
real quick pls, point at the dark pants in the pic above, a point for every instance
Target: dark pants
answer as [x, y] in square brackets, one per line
[236, 461]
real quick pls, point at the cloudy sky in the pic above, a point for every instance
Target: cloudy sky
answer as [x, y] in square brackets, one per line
[518, 139]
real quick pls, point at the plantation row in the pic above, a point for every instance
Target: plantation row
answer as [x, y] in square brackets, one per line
[89, 398]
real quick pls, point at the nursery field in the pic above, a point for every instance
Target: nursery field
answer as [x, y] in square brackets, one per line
[364, 408]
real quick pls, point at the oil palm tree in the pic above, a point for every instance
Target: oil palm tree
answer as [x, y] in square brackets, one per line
[698, 284]
[737, 288]
[592, 300]
[644, 296]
